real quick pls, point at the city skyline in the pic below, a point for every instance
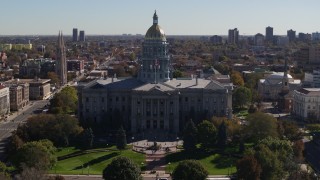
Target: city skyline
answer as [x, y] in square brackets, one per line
[203, 17]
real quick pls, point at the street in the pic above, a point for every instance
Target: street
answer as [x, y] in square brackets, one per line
[13, 121]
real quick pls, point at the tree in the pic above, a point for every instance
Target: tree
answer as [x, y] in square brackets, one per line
[233, 127]
[56, 128]
[121, 139]
[241, 97]
[222, 135]
[122, 168]
[272, 167]
[88, 137]
[37, 154]
[248, 168]
[207, 134]
[189, 169]
[236, 78]
[190, 136]
[177, 74]
[313, 127]
[260, 126]
[4, 171]
[66, 100]
[289, 130]
[274, 156]
[54, 77]
[14, 143]
[298, 148]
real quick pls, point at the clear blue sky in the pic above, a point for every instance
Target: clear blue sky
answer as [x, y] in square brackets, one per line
[185, 17]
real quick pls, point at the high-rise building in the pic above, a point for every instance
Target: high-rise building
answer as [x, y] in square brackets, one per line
[304, 37]
[269, 34]
[216, 39]
[75, 35]
[315, 36]
[82, 36]
[61, 61]
[258, 39]
[233, 36]
[291, 34]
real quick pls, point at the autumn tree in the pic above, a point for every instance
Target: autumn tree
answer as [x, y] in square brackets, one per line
[54, 77]
[236, 78]
[233, 127]
[298, 149]
[289, 130]
[248, 168]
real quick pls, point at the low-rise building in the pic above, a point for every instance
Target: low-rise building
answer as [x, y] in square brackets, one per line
[37, 88]
[19, 94]
[270, 87]
[4, 100]
[75, 65]
[306, 104]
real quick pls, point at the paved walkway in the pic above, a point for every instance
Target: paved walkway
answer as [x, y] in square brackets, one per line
[155, 160]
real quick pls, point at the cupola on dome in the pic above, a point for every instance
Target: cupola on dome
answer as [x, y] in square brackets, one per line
[155, 32]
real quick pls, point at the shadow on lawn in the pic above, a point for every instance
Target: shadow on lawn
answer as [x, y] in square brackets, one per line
[222, 161]
[97, 160]
[183, 155]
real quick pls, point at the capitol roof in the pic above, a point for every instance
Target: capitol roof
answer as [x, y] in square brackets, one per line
[155, 32]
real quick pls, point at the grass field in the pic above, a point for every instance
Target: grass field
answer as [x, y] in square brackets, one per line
[92, 161]
[216, 164]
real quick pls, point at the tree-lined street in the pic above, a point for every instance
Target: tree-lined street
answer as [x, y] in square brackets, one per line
[17, 118]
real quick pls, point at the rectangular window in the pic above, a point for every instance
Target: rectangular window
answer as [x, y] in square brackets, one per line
[87, 99]
[102, 99]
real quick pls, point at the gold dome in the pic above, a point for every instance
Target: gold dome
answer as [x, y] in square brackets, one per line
[155, 32]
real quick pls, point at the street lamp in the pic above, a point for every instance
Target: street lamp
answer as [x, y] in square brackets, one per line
[132, 138]
[177, 141]
[142, 165]
[169, 167]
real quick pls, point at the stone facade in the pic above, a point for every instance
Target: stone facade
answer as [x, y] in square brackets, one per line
[306, 104]
[19, 95]
[61, 62]
[154, 101]
[4, 100]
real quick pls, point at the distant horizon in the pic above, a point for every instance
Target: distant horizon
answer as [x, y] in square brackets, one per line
[225, 35]
[203, 17]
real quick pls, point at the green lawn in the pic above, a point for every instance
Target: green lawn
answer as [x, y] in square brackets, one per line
[92, 161]
[216, 164]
